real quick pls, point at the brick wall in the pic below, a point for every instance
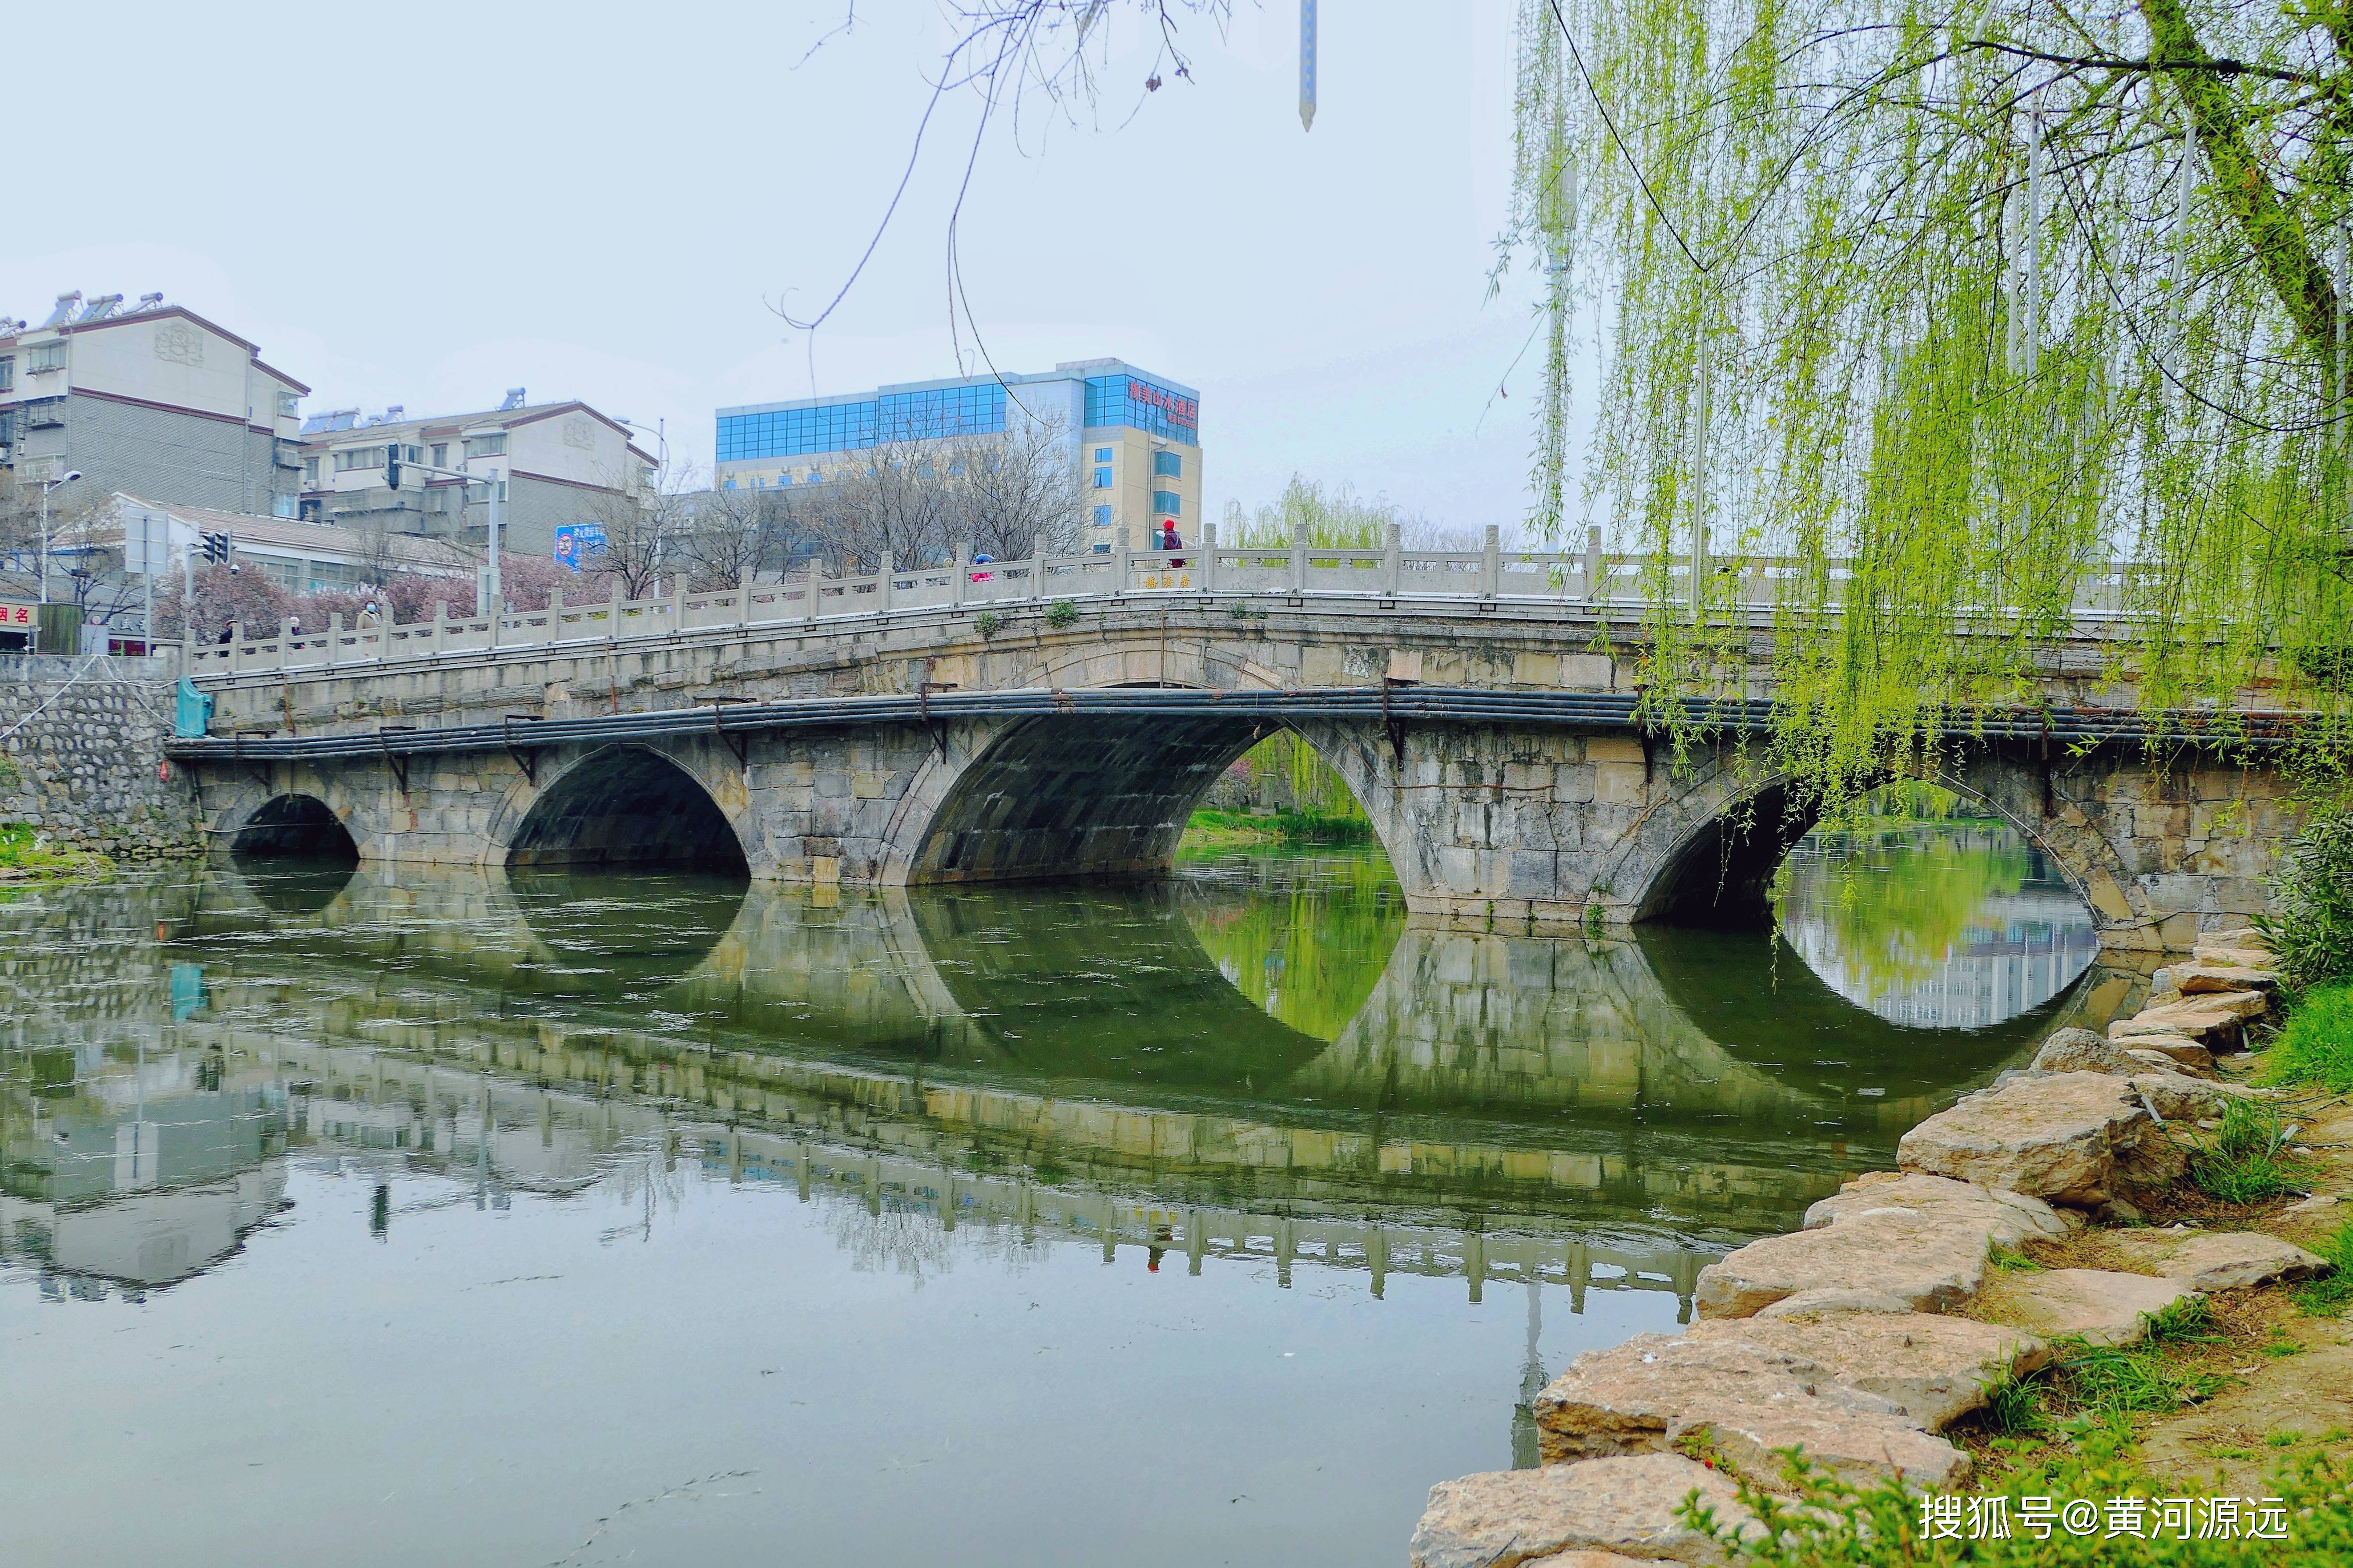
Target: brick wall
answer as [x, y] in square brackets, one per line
[81, 759]
[157, 455]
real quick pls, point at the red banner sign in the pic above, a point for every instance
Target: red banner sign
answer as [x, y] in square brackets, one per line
[1182, 411]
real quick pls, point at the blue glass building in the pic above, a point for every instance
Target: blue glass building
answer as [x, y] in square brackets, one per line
[1133, 436]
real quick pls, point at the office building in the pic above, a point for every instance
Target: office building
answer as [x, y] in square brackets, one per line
[1132, 437]
[552, 464]
[154, 400]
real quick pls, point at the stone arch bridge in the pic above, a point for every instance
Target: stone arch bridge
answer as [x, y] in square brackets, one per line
[978, 729]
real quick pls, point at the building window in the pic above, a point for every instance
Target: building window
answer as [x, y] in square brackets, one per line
[1167, 465]
[288, 404]
[1103, 453]
[486, 445]
[1103, 517]
[309, 473]
[440, 454]
[45, 413]
[44, 357]
[1102, 479]
[7, 372]
[354, 457]
[1164, 502]
[1104, 549]
[729, 485]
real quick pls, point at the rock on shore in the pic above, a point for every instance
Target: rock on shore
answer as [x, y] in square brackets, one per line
[1746, 1397]
[2218, 1260]
[2100, 1307]
[1829, 1340]
[1628, 1506]
[2077, 1138]
[1921, 1239]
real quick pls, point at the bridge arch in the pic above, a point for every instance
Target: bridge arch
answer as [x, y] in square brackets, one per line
[623, 805]
[1075, 796]
[1708, 855]
[292, 825]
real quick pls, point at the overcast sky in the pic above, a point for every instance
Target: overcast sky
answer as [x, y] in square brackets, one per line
[430, 204]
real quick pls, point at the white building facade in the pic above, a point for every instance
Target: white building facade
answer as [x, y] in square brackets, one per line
[154, 400]
[551, 464]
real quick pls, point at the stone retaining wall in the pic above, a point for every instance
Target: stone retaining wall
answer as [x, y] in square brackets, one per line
[83, 757]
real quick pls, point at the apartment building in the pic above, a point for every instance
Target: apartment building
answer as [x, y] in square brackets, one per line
[154, 400]
[552, 464]
[1132, 437]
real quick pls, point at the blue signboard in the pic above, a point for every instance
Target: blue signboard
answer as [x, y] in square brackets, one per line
[577, 543]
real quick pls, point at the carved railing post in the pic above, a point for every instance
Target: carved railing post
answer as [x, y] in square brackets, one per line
[1299, 555]
[1490, 563]
[1209, 557]
[1392, 558]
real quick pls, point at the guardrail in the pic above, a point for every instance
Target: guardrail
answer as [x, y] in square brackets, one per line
[1590, 581]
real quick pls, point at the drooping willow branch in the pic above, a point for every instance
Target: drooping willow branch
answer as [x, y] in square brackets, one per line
[1986, 297]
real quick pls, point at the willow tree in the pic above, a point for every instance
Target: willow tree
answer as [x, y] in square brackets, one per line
[1940, 313]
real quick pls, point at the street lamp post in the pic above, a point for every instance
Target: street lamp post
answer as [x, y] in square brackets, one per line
[492, 485]
[47, 485]
[660, 428]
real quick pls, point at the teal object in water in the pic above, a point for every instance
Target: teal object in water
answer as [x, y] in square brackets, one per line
[194, 712]
[187, 990]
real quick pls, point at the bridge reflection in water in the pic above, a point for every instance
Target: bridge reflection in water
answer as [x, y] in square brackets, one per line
[1201, 1070]
[1957, 924]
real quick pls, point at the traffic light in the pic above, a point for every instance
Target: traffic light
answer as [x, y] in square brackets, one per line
[392, 467]
[216, 548]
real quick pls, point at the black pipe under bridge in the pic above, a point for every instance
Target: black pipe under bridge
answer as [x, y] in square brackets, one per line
[2077, 729]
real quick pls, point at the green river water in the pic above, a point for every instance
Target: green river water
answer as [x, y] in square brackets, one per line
[385, 1216]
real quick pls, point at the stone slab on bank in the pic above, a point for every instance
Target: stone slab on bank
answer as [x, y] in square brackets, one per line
[2076, 1138]
[1630, 1506]
[1749, 1395]
[1922, 1239]
[2097, 1305]
[2217, 1260]
[1932, 1369]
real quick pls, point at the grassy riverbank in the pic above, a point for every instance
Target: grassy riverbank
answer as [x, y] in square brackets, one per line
[25, 858]
[1223, 830]
[2246, 1394]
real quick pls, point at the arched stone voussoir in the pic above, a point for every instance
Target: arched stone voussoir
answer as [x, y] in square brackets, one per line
[674, 803]
[2150, 852]
[1074, 796]
[231, 802]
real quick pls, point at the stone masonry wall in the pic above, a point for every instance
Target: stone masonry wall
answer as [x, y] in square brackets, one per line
[82, 761]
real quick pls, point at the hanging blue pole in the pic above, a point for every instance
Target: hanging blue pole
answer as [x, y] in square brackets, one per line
[1307, 65]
